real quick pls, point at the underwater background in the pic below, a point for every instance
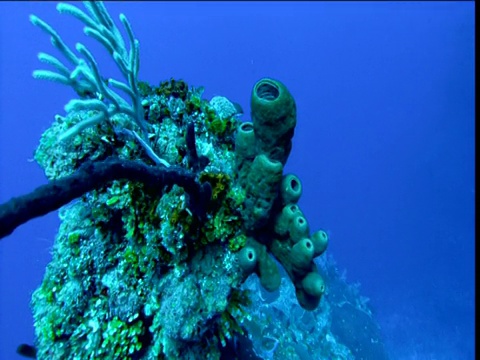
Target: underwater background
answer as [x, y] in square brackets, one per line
[384, 143]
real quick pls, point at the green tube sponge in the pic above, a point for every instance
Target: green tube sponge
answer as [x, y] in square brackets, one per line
[245, 150]
[266, 269]
[313, 284]
[298, 228]
[268, 273]
[320, 242]
[309, 292]
[284, 219]
[297, 260]
[274, 117]
[245, 141]
[301, 256]
[290, 189]
[261, 190]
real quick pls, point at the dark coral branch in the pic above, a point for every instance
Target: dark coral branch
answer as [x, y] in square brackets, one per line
[27, 351]
[197, 163]
[93, 175]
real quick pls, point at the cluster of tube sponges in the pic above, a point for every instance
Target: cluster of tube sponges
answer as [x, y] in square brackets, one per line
[274, 223]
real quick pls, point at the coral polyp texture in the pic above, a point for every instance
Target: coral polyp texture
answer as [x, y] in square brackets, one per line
[138, 272]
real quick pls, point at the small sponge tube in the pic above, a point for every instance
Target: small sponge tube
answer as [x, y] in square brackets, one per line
[290, 189]
[301, 256]
[310, 291]
[320, 242]
[284, 219]
[298, 228]
[245, 141]
[313, 284]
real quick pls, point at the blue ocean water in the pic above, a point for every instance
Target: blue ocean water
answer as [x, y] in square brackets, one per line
[384, 143]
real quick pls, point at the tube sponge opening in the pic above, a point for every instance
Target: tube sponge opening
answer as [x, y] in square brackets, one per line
[267, 90]
[274, 116]
[247, 259]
